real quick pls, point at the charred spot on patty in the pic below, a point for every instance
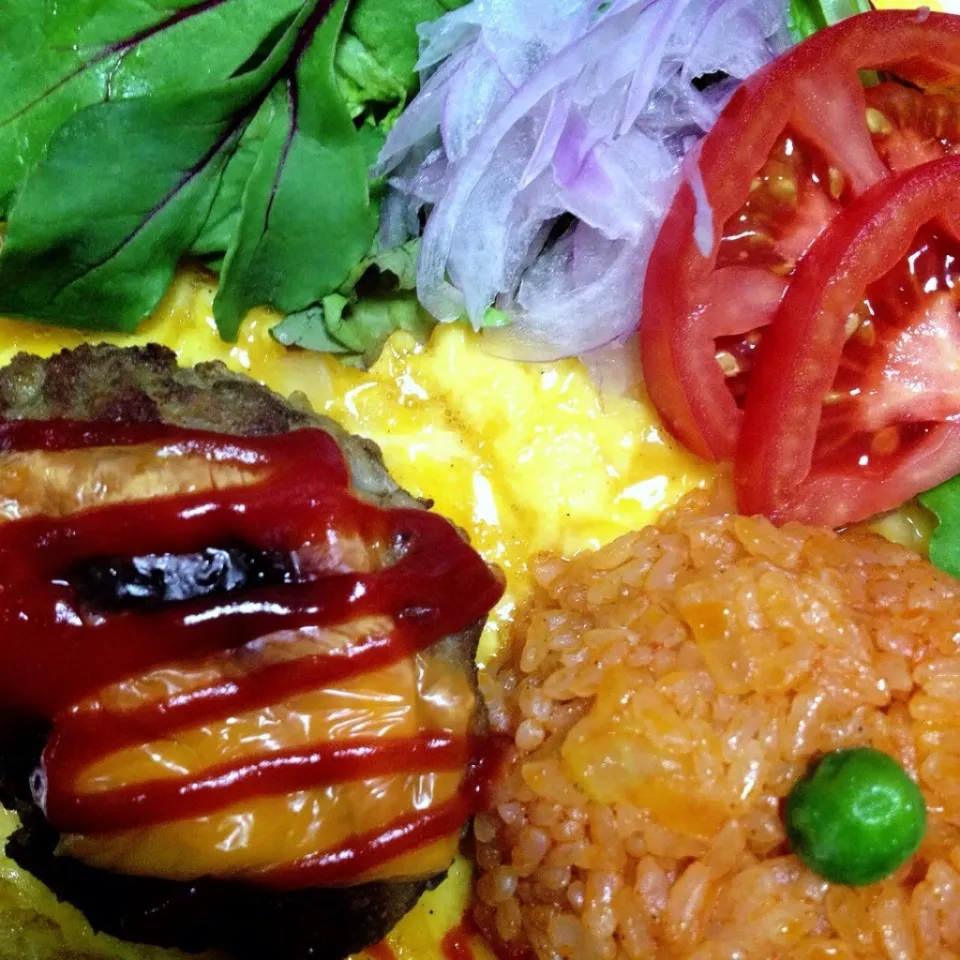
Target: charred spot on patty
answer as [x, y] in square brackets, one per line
[241, 918]
[155, 579]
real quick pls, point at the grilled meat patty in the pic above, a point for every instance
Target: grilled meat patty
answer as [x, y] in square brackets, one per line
[145, 384]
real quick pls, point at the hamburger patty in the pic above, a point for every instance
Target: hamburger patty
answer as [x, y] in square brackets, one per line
[247, 922]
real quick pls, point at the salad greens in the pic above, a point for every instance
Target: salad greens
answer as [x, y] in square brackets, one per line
[355, 322]
[238, 131]
[944, 502]
[806, 17]
[56, 59]
[310, 141]
[377, 55]
[243, 132]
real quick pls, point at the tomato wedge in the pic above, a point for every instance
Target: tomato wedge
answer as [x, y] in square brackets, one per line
[854, 403]
[789, 152]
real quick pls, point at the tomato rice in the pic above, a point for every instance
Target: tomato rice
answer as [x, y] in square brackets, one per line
[665, 692]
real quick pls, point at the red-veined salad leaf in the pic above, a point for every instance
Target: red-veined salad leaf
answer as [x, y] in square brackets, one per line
[311, 141]
[125, 187]
[99, 249]
[56, 58]
[221, 223]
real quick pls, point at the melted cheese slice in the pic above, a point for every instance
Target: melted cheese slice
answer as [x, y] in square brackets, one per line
[417, 694]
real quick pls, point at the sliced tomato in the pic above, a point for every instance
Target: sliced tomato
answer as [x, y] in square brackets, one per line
[854, 403]
[790, 150]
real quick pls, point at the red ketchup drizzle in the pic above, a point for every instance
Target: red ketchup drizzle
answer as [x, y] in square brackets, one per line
[54, 653]
[380, 951]
[456, 943]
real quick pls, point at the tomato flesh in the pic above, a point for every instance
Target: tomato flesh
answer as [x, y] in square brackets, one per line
[901, 363]
[794, 196]
[789, 152]
[910, 127]
[792, 199]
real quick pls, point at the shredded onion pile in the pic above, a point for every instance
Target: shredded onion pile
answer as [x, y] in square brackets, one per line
[544, 147]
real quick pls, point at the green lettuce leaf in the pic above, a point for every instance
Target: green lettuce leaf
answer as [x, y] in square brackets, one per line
[379, 49]
[361, 78]
[397, 266]
[377, 298]
[944, 502]
[354, 330]
[806, 17]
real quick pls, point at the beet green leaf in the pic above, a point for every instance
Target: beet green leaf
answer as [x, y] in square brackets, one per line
[100, 224]
[306, 217]
[221, 224]
[240, 132]
[56, 58]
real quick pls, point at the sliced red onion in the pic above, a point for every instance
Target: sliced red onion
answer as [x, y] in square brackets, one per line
[422, 119]
[532, 111]
[580, 294]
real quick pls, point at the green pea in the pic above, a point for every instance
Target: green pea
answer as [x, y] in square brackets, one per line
[855, 816]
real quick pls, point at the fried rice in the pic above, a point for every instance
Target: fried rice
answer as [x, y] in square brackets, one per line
[665, 692]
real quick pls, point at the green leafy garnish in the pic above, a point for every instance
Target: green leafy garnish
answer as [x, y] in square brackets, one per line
[237, 131]
[221, 223]
[125, 187]
[309, 181]
[806, 17]
[90, 247]
[944, 502]
[376, 299]
[378, 51]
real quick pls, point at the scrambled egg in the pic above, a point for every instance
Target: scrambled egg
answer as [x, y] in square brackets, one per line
[525, 457]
